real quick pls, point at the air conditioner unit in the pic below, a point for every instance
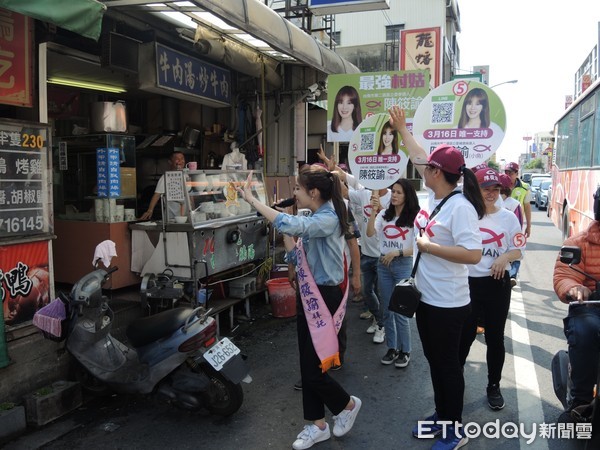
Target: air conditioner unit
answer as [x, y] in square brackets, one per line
[120, 52]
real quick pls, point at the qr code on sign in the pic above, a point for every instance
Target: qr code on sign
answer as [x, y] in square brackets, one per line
[442, 112]
[367, 142]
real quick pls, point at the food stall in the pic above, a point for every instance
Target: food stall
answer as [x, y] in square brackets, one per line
[94, 198]
[218, 231]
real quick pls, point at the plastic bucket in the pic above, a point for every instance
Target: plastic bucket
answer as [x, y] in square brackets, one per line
[282, 297]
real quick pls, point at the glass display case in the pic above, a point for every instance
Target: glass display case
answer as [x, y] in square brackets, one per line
[206, 197]
[95, 178]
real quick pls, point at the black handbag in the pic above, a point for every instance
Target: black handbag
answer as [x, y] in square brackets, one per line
[406, 297]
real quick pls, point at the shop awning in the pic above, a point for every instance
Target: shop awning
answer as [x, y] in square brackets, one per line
[256, 19]
[83, 17]
[264, 23]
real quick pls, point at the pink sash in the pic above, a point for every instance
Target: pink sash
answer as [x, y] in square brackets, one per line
[323, 327]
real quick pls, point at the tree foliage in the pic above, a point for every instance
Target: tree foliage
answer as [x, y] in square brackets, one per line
[535, 164]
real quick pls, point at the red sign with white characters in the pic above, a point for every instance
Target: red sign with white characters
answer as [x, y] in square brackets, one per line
[15, 59]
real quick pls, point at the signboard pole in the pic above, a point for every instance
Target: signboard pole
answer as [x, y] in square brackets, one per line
[336, 151]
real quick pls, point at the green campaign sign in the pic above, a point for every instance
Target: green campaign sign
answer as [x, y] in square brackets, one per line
[463, 113]
[352, 98]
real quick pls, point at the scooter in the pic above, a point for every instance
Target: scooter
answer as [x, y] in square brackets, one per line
[174, 354]
[561, 369]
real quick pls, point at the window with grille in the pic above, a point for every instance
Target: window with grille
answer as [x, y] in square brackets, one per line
[336, 36]
[392, 32]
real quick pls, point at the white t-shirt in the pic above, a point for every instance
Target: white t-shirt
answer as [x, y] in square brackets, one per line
[339, 136]
[443, 283]
[500, 233]
[360, 199]
[391, 237]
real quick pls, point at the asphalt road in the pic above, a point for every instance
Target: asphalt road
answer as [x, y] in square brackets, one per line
[393, 399]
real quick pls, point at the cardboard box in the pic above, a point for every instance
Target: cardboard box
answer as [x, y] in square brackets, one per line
[128, 182]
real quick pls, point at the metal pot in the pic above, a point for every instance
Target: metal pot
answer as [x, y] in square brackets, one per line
[108, 117]
[190, 136]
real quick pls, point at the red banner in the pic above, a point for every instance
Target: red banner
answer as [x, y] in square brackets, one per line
[15, 59]
[24, 280]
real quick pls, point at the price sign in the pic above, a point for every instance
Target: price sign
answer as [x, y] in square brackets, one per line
[23, 179]
[174, 190]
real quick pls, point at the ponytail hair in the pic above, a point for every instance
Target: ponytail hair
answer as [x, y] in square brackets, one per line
[329, 186]
[472, 192]
[471, 189]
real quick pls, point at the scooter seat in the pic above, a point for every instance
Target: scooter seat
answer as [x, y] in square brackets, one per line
[143, 331]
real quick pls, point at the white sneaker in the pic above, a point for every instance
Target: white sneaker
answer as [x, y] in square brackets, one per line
[310, 435]
[345, 419]
[373, 327]
[379, 335]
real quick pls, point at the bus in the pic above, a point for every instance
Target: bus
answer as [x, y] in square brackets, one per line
[576, 163]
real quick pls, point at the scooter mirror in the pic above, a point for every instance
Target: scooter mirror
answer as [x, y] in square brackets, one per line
[570, 255]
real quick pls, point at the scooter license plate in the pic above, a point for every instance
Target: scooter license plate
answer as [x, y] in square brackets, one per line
[220, 353]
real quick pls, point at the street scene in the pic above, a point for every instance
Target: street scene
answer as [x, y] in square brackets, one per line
[393, 399]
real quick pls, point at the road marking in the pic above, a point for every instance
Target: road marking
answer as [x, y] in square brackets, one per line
[529, 401]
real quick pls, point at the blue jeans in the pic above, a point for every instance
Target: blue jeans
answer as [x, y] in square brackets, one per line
[368, 272]
[514, 268]
[397, 326]
[582, 330]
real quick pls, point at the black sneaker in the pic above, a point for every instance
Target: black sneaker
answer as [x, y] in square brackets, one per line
[495, 399]
[403, 360]
[391, 356]
[298, 385]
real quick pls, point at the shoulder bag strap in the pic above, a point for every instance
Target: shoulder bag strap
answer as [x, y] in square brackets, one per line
[435, 211]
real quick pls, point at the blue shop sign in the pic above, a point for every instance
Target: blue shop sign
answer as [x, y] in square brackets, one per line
[179, 72]
[108, 172]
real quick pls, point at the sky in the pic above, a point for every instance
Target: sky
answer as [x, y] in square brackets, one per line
[541, 43]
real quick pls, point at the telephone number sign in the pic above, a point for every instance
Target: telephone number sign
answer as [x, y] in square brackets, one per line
[23, 175]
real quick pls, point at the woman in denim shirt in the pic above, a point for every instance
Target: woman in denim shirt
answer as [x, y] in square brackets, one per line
[322, 235]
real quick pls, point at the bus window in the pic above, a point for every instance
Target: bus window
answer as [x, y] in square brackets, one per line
[585, 141]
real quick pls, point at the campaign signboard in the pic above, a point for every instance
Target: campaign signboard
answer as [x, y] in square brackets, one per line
[355, 97]
[376, 153]
[466, 114]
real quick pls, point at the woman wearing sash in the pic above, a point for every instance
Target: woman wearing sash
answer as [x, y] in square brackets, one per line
[448, 242]
[322, 290]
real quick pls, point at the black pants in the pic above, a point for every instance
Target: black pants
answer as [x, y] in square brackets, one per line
[318, 388]
[440, 331]
[490, 301]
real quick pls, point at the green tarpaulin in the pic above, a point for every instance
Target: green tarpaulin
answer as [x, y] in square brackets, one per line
[83, 17]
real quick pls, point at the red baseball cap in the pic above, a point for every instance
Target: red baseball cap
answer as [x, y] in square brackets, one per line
[444, 157]
[505, 181]
[512, 166]
[479, 167]
[488, 177]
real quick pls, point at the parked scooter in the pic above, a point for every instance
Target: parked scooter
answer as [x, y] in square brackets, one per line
[174, 354]
[561, 370]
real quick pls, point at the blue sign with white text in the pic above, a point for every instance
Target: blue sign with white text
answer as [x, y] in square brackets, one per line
[182, 73]
[108, 172]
